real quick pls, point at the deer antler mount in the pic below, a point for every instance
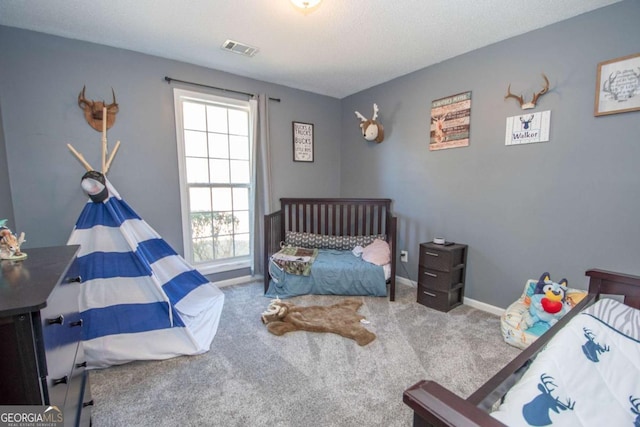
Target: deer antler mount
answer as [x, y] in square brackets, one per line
[536, 95]
[93, 110]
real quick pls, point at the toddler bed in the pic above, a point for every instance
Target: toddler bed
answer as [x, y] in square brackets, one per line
[584, 371]
[321, 235]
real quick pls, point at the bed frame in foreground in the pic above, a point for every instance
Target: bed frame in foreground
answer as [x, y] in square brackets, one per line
[332, 217]
[434, 405]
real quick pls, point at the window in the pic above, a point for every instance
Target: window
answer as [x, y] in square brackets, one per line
[214, 153]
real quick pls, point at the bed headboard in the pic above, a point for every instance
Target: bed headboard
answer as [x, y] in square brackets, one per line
[336, 217]
[603, 282]
[331, 217]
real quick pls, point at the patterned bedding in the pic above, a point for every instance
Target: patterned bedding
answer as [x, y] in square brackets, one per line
[587, 375]
[334, 272]
[295, 260]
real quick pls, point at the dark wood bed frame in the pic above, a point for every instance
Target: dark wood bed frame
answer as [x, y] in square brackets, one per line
[332, 217]
[434, 405]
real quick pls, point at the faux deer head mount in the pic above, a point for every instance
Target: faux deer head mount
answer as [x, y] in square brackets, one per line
[371, 129]
[520, 99]
[93, 110]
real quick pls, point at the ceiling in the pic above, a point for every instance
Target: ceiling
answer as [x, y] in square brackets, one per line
[342, 47]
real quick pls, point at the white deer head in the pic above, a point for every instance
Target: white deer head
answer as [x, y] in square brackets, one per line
[371, 129]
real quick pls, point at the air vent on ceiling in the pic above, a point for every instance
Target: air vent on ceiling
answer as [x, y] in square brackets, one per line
[240, 48]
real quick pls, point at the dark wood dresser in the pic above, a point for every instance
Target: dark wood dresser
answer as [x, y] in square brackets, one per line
[42, 362]
[441, 275]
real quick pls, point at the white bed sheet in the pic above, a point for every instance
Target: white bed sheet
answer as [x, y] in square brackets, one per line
[587, 375]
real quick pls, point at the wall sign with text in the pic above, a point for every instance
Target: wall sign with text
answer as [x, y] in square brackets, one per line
[302, 142]
[528, 128]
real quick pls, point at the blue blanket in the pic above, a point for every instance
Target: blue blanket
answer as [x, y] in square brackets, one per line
[332, 273]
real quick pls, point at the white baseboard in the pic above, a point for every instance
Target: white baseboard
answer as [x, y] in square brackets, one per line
[405, 281]
[239, 280]
[467, 301]
[483, 306]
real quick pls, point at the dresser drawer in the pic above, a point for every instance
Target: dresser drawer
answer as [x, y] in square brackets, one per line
[442, 258]
[440, 280]
[40, 331]
[61, 333]
[439, 300]
[75, 394]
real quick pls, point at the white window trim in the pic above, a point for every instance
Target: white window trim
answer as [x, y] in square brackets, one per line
[219, 265]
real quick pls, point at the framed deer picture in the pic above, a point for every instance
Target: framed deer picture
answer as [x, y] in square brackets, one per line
[450, 121]
[618, 86]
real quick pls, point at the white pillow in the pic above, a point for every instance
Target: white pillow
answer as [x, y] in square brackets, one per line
[377, 253]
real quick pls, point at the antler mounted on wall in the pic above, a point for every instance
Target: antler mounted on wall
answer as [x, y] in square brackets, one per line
[93, 110]
[371, 129]
[95, 113]
[520, 99]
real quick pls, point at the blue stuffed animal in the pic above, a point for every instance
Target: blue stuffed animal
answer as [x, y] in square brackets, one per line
[548, 302]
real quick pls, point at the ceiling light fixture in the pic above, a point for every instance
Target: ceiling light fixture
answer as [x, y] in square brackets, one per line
[306, 5]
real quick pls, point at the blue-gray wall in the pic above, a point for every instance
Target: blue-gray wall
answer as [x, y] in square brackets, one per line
[40, 78]
[561, 206]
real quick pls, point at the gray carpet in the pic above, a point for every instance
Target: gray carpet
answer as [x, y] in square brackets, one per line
[253, 378]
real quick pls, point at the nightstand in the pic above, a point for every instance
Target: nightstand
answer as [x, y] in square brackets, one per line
[441, 275]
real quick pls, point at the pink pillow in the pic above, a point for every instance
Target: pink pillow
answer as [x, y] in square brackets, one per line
[377, 253]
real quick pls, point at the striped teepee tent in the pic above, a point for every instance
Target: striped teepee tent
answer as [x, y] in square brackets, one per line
[139, 300]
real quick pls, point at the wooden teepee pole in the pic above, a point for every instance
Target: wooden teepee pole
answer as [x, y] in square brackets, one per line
[113, 154]
[80, 157]
[106, 163]
[104, 140]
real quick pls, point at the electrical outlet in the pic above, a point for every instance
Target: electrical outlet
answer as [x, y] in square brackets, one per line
[404, 256]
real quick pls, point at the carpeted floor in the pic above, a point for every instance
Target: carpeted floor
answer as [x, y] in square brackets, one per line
[253, 378]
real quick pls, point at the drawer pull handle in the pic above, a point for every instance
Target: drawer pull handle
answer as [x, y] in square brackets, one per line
[62, 380]
[81, 365]
[431, 253]
[59, 320]
[89, 403]
[76, 323]
[430, 274]
[76, 279]
[429, 293]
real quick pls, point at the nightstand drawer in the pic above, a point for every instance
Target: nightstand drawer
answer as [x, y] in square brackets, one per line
[439, 280]
[443, 258]
[442, 301]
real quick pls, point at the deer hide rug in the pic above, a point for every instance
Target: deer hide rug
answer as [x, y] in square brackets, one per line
[341, 318]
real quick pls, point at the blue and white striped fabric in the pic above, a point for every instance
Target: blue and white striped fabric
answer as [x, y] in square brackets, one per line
[140, 300]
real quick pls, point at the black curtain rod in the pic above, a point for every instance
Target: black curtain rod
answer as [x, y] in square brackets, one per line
[252, 95]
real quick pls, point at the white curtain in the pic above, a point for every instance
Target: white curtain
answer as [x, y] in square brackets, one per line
[261, 179]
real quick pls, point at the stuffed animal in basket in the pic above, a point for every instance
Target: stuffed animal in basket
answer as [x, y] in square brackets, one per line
[548, 302]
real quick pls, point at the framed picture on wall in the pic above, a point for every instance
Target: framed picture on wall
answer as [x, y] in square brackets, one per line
[618, 85]
[302, 142]
[450, 121]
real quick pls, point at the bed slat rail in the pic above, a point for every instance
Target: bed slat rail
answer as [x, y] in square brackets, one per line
[336, 217]
[273, 235]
